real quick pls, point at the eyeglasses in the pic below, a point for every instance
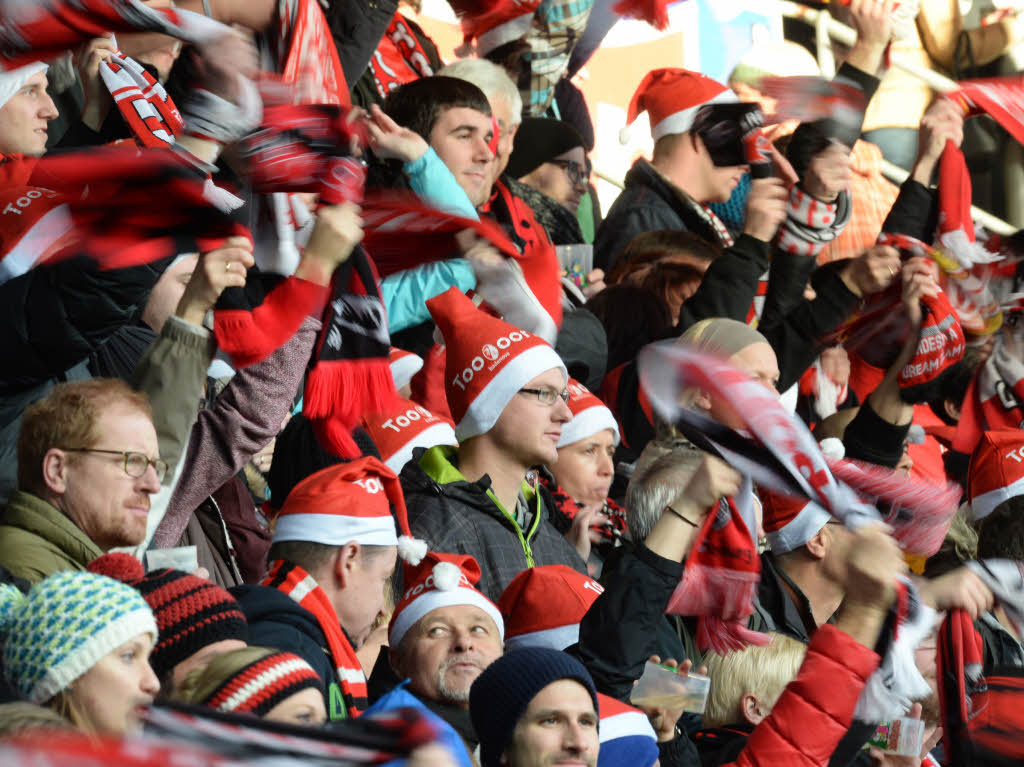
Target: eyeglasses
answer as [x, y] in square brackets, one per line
[576, 172]
[135, 464]
[547, 396]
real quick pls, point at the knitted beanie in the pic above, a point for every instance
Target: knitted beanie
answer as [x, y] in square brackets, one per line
[260, 685]
[539, 140]
[501, 694]
[190, 612]
[64, 626]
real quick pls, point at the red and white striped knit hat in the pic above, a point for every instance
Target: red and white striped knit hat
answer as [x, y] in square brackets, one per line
[259, 686]
[404, 365]
[672, 97]
[487, 361]
[790, 522]
[996, 472]
[399, 430]
[349, 502]
[440, 580]
[543, 606]
[589, 416]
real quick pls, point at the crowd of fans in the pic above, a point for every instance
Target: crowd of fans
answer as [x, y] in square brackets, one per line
[330, 394]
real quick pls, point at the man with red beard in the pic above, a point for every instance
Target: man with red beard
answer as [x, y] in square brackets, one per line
[88, 463]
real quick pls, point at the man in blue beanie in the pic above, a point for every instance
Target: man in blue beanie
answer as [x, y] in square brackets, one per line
[535, 707]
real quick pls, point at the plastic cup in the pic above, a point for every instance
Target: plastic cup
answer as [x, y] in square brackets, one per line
[664, 687]
[900, 736]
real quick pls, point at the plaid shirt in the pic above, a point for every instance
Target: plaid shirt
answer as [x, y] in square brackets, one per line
[556, 28]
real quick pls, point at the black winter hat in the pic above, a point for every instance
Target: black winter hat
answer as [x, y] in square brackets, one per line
[540, 140]
[501, 694]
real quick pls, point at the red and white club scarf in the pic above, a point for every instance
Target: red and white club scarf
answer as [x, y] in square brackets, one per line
[994, 396]
[150, 113]
[41, 30]
[399, 58]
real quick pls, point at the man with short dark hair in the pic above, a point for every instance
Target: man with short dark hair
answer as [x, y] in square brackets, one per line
[88, 462]
[331, 560]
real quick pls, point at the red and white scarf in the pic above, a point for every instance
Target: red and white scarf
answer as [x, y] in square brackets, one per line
[151, 115]
[994, 397]
[300, 586]
[399, 58]
[40, 31]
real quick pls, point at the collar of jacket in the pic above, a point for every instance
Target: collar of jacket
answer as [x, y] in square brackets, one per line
[643, 174]
[436, 463]
[34, 515]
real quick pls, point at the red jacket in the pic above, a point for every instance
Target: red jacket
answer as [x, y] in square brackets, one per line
[816, 709]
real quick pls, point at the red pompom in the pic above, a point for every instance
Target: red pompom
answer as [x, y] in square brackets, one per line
[123, 567]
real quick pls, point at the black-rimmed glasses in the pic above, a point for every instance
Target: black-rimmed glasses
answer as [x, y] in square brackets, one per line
[547, 396]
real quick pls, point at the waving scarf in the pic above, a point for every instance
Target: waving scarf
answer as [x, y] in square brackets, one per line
[44, 29]
[150, 113]
[301, 587]
[399, 57]
[993, 398]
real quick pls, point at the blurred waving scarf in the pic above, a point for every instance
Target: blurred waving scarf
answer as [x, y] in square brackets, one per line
[39, 30]
[779, 453]
[399, 57]
[150, 113]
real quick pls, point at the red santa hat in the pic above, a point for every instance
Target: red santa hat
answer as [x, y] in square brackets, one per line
[440, 580]
[492, 23]
[589, 416]
[543, 606]
[399, 430]
[13, 81]
[790, 522]
[996, 472]
[349, 502]
[626, 736]
[487, 362]
[404, 365]
[672, 97]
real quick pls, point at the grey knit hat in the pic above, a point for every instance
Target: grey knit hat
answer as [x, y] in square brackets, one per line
[501, 694]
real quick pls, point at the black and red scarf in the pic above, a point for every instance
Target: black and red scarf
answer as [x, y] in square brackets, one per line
[399, 58]
[300, 586]
[567, 509]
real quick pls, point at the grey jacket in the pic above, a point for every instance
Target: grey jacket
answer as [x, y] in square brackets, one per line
[459, 517]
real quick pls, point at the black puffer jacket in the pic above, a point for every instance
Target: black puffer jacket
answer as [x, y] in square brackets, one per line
[456, 516]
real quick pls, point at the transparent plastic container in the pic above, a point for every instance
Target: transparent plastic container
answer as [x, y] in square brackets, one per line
[900, 736]
[662, 686]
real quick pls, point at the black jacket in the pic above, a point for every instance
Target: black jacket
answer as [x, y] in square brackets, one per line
[459, 517]
[647, 203]
[277, 621]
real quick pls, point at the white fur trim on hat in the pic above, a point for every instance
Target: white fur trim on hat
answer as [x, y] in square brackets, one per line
[435, 599]
[488, 405]
[336, 529]
[800, 529]
[557, 638]
[682, 121]
[79, 661]
[438, 434]
[511, 30]
[404, 368]
[13, 81]
[833, 448]
[588, 423]
[984, 504]
[623, 725]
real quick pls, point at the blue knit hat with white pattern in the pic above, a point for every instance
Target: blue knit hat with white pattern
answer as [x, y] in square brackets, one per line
[64, 626]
